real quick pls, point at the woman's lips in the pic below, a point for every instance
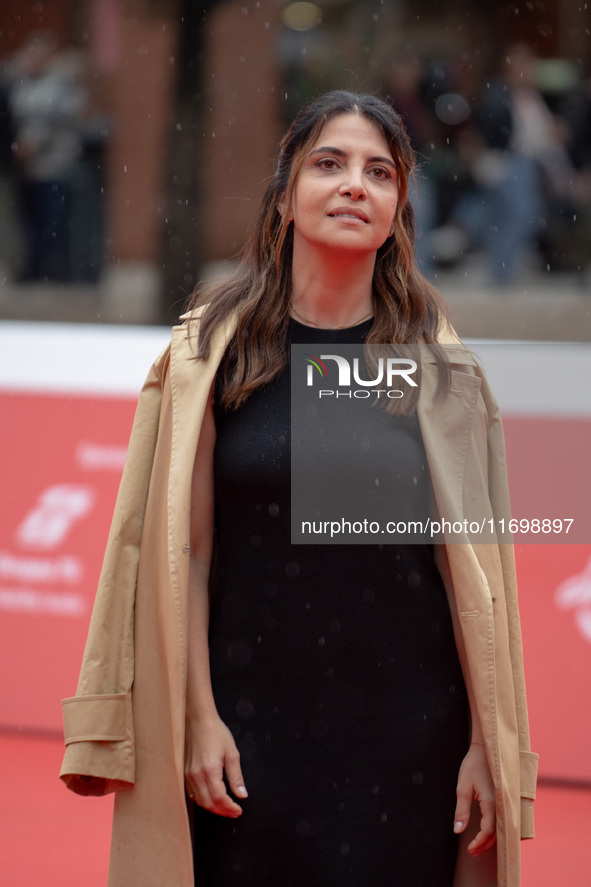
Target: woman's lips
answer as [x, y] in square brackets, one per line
[346, 212]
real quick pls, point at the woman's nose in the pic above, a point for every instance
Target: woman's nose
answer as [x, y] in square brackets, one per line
[353, 185]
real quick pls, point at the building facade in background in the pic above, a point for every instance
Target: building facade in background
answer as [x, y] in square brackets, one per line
[185, 102]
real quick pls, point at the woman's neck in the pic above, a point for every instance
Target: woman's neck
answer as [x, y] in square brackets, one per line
[331, 294]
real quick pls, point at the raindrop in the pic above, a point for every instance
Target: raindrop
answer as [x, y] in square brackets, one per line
[384, 817]
[452, 109]
[417, 778]
[321, 641]
[376, 790]
[303, 827]
[273, 509]
[344, 849]
[414, 580]
[255, 541]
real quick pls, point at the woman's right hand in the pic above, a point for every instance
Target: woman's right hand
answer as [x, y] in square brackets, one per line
[211, 750]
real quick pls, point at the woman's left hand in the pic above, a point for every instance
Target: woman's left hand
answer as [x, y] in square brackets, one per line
[475, 783]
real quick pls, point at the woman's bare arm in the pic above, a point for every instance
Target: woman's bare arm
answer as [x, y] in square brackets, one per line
[210, 747]
[475, 788]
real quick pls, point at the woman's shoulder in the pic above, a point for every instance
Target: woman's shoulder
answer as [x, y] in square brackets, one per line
[193, 326]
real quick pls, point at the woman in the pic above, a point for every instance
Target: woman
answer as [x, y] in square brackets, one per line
[363, 711]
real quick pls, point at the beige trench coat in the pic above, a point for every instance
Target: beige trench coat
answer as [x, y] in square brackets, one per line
[124, 729]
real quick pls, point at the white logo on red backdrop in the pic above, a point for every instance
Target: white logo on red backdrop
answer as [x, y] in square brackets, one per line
[45, 528]
[575, 593]
[57, 509]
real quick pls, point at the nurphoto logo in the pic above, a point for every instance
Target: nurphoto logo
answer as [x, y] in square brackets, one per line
[388, 370]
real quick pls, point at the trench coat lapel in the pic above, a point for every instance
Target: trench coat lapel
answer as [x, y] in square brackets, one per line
[190, 384]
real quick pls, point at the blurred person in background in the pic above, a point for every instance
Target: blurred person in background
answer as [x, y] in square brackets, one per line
[520, 168]
[406, 84]
[9, 244]
[371, 697]
[577, 113]
[47, 104]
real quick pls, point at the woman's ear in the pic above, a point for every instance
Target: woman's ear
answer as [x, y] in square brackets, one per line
[282, 207]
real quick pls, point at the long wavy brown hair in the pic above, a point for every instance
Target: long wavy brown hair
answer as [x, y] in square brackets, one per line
[407, 309]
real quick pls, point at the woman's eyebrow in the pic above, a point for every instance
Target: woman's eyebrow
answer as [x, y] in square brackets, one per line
[327, 149]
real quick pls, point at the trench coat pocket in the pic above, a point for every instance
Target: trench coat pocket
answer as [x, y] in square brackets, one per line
[95, 718]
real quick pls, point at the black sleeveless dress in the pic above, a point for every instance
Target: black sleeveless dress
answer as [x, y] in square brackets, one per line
[335, 668]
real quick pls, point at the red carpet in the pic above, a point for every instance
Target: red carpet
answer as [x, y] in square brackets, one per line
[52, 838]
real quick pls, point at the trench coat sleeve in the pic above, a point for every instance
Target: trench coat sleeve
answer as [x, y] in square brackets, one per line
[98, 721]
[499, 492]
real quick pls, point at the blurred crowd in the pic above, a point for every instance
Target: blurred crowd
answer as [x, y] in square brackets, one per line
[51, 147]
[506, 165]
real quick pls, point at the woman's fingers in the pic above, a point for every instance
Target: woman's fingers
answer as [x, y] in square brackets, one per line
[221, 802]
[234, 774]
[215, 798]
[210, 792]
[462, 813]
[210, 789]
[475, 783]
[211, 751]
[487, 835]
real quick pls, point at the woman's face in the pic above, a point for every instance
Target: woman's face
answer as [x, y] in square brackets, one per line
[346, 192]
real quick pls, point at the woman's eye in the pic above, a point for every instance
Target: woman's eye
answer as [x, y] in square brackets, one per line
[381, 173]
[327, 163]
